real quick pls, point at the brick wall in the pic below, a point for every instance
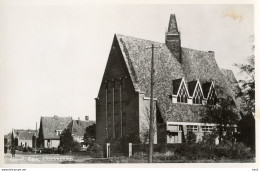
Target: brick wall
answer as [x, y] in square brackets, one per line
[119, 113]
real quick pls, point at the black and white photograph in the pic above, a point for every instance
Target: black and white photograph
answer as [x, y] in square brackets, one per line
[114, 83]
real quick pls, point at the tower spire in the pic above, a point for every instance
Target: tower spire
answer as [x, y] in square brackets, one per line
[172, 28]
[173, 38]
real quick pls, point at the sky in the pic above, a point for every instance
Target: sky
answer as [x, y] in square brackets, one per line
[53, 56]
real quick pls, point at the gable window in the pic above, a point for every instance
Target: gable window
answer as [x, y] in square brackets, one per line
[58, 132]
[182, 96]
[192, 128]
[212, 99]
[197, 99]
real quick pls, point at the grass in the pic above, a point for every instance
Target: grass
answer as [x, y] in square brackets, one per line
[157, 160]
[85, 158]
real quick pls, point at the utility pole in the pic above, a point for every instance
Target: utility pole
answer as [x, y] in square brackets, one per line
[151, 131]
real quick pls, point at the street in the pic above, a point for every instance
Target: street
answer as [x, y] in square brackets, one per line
[32, 158]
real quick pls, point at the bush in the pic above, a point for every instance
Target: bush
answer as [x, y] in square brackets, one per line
[209, 138]
[25, 149]
[191, 137]
[95, 148]
[198, 151]
[240, 151]
[76, 146]
[49, 150]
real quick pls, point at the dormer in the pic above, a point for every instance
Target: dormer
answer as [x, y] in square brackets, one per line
[58, 132]
[180, 91]
[195, 91]
[210, 93]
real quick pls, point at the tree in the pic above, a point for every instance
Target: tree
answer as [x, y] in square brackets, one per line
[145, 119]
[191, 137]
[246, 126]
[89, 136]
[67, 142]
[247, 85]
[224, 115]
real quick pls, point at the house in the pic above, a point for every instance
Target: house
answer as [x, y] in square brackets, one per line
[21, 137]
[78, 129]
[50, 130]
[186, 80]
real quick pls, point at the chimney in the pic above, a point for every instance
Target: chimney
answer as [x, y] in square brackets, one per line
[79, 118]
[212, 52]
[55, 116]
[87, 118]
[172, 38]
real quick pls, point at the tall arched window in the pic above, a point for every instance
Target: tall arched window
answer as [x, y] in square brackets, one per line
[197, 99]
[212, 100]
[182, 96]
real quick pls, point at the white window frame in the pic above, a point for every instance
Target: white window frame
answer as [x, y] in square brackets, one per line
[193, 128]
[207, 128]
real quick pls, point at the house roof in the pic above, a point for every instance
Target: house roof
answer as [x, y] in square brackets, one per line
[138, 59]
[233, 85]
[231, 79]
[175, 85]
[78, 127]
[184, 112]
[22, 134]
[50, 125]
[195, 65]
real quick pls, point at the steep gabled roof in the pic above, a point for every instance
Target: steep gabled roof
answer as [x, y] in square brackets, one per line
[78, 127]
[195, 65]
[51, 124]
[23, 134]
[233, 85]
[176, 85]
[138, 60]
[26, 135]
[179, 112]
[231, 79]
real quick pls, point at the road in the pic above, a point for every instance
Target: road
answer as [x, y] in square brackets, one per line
[32, 158]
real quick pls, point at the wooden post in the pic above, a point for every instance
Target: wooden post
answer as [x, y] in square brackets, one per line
[107, 150]
[151, 131]
[150, 159]
[130, 150]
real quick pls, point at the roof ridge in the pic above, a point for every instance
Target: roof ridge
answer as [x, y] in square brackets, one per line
[224, 69]
[56, 117]
[197, 50]
[139, 38]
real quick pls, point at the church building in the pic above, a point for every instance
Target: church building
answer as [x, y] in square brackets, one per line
[185, 81]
